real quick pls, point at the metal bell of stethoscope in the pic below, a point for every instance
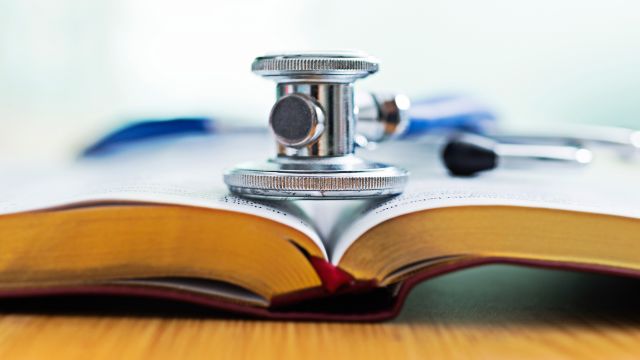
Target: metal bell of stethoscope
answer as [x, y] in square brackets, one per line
[314, 123]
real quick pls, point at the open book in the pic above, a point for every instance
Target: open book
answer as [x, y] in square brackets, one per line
[158, 222]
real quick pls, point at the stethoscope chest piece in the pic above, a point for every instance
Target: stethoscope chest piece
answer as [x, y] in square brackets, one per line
[314, 124]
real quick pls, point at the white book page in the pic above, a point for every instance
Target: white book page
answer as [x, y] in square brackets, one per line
[175, 175]
[605, 187]
[200, 286]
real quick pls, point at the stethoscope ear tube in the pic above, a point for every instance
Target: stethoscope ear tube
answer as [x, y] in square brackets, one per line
[624, 142]
[470, 154]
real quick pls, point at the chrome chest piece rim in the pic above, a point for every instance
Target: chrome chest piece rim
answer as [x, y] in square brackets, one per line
[336, 178]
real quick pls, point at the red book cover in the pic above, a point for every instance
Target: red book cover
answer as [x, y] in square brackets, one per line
[340, 299]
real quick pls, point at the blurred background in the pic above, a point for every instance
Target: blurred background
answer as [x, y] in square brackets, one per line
[70, 70]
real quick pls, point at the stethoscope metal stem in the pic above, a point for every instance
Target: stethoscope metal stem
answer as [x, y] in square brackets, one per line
[550, 153]
[336, 103]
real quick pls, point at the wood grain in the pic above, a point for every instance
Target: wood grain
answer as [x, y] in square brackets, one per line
[495, 311]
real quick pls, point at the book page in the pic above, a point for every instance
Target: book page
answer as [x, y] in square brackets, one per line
[200, 286]
[607, 186]
[187, 173]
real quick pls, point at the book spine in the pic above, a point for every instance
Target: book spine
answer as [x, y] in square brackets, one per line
[333, 278]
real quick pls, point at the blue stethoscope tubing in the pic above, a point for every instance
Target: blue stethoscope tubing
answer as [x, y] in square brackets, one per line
[435, 114]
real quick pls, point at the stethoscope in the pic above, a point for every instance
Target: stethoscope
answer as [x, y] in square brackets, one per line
[319, 119]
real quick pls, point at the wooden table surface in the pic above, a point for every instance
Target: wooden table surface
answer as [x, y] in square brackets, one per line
[489, 312]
